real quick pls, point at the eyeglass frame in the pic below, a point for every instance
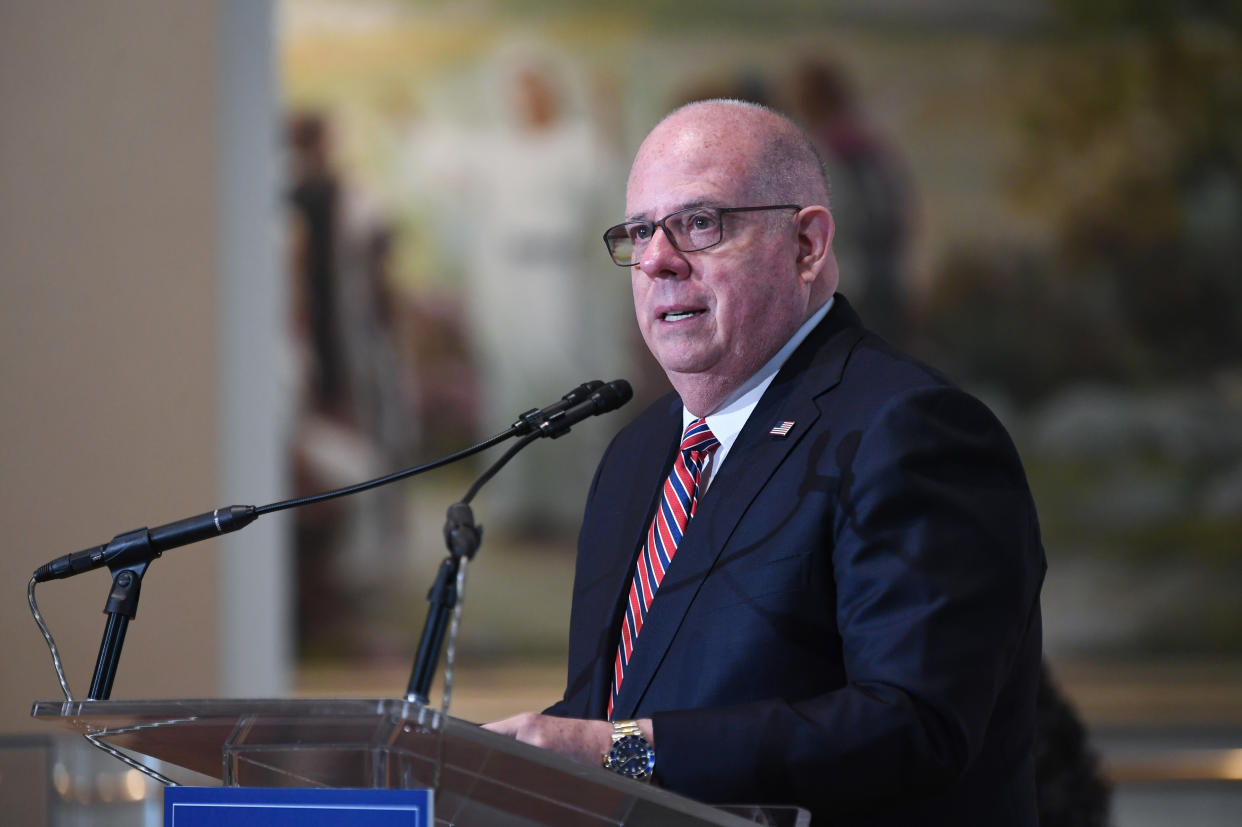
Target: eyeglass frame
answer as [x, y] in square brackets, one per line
[721, 211]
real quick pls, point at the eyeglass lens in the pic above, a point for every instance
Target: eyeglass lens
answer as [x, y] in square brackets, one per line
[689, 230]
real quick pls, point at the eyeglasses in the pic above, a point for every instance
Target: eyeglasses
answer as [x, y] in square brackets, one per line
[689, 230]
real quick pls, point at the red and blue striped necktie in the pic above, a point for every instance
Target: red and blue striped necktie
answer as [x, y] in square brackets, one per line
[677, 505]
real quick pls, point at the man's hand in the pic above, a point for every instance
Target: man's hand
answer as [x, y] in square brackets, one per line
[584, 741]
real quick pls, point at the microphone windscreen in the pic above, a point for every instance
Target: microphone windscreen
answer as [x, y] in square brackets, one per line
[614, 394]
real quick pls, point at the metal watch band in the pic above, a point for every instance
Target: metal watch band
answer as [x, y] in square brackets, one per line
[620, 729]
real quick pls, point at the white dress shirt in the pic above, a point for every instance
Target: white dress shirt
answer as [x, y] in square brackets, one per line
[729, 419]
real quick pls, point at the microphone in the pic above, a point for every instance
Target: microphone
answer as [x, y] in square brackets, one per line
[463, 536]
[588, 399]
[601, 399]
[132, 546]
[129, 554]
[531, 421]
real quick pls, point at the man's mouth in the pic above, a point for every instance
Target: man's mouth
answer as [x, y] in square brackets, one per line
[678, 315]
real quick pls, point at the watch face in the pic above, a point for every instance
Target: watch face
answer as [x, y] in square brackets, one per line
[631, 756]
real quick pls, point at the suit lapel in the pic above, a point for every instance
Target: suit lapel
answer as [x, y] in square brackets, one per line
[814, 368]
[618, 557]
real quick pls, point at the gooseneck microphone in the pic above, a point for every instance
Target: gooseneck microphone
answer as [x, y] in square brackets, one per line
[463, 536]
[530, 421]
[598, 400]
[555, 420]
[128, 554]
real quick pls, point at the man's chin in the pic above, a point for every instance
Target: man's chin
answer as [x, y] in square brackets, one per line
[683, 354]
[683, 364]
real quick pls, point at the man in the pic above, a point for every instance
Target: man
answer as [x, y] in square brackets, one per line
[850, 621]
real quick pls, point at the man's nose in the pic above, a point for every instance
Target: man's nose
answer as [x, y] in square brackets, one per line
[661, 259]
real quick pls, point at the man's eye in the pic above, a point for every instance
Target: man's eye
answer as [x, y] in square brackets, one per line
[640, 232]
[702, 221]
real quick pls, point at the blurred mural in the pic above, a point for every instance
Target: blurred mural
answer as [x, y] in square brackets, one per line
[1045, 201]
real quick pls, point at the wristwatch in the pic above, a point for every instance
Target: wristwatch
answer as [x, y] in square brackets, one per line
[631, 754]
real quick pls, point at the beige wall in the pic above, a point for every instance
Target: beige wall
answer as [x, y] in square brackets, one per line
[108, 253]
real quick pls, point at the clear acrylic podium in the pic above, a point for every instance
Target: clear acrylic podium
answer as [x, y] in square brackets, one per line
[483, 778]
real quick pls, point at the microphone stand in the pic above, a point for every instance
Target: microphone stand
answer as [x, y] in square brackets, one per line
[463, 538]
[121, 608]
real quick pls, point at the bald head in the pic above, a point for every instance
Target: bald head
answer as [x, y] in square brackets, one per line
[773, 158]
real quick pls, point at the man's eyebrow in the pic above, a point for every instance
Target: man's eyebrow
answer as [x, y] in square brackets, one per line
[688, 205]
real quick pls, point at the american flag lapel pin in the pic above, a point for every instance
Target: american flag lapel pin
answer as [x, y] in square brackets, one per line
[782, 428]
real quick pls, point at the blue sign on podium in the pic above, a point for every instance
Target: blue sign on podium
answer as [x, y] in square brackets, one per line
[296, 806]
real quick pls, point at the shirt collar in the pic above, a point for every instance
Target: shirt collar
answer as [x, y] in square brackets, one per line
[729, 419]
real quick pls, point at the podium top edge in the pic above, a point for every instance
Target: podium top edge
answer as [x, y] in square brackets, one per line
[182, 708]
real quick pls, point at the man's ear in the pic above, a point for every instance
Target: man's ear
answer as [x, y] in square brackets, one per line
[815, 230]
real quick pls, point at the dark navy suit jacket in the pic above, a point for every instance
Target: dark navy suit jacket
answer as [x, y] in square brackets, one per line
[851, 622]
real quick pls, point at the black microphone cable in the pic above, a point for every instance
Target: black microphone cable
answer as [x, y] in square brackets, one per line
[589, 399]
